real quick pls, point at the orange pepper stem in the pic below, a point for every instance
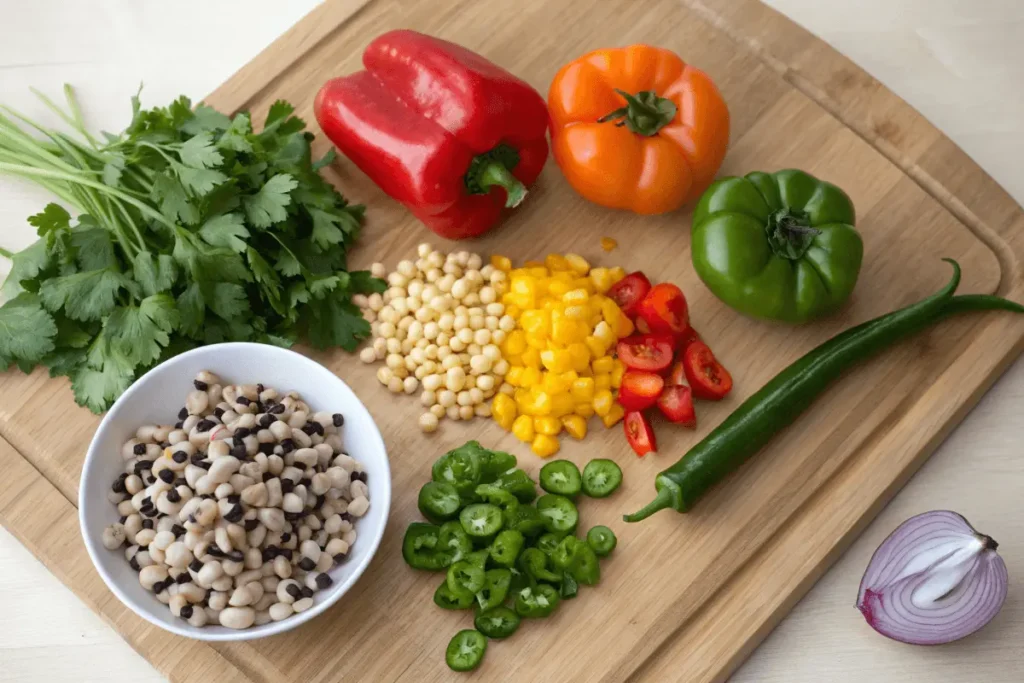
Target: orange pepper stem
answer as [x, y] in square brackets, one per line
[494, 169]
[644, 114]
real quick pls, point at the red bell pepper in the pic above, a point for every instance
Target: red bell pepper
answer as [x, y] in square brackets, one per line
[452, 136]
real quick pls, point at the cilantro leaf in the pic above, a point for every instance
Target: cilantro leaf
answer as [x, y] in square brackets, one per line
[204, 263]
[326, 160]
[322, 284]
[112, 171]
[267, 206]
[64, 361]
[236, 136]
[287, 264]
[104, 376]
[361, 282]
[26, 265]
[174, 202]
[200, 181]
[154, 274]
[334, 321]
[94, 250]
[229, 301]
[53, 217]
[278, 112]
[139, 333]
[325, 229]
[227, 230]
[270, 283]
[85, 296]
[71, 334]
[205, 118]
[26, 330]
[200, 152]
[192, 308]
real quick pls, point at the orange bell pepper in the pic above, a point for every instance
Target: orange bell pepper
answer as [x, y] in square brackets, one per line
[637, 128]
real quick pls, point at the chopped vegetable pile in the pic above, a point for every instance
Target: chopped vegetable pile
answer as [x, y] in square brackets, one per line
[509, 557]
[194, 230]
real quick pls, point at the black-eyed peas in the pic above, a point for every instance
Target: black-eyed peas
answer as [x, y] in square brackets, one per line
[234, 514]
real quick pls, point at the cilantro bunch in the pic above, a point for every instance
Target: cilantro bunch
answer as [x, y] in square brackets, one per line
[194, 229]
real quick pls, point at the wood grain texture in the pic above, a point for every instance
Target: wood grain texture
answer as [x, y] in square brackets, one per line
[678, 590]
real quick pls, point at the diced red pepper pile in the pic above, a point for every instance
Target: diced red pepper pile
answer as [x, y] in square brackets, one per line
[668, 365]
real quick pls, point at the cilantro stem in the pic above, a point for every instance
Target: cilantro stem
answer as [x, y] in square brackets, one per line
[76, 114]
[146, 210]
[6, 254]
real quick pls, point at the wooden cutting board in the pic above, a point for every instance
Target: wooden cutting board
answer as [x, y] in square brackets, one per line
[684, 598]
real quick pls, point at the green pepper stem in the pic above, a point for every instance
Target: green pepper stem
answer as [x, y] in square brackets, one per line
[495, 174]
[644, 114]
[669, 496]
[790, 234]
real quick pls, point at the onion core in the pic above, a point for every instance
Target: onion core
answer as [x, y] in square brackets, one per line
[933, 581]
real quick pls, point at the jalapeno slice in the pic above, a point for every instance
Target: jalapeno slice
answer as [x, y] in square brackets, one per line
[602, 540]
[577, 558]
[465, 578]
[422, 549]
[506, 547]
[561, 477]
[524, 519]
[465, 650]
[519, 581]
[536, 602]
[453, 540]
[601, 477]
[534, 563]
[497, 496]
[495, 464]
[569, 588]
[560, 515]
[439, 501]
[519, 484]
[497, 622]
[446, 599]
[495, 588]
[481, 520]
[548, 542]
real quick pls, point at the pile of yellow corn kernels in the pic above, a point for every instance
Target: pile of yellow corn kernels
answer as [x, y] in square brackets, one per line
[532, 346]
[560, 362]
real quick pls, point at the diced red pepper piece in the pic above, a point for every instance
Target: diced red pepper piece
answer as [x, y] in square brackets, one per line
[676, 404]
[639, 433]
[707, 378]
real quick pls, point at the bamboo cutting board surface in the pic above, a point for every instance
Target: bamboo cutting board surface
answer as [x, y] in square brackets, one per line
[683, 597]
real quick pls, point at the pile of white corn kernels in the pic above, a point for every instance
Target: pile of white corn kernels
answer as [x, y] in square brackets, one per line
[234, 514]
[438, 328]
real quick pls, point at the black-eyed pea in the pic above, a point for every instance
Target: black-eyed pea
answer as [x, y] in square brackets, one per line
[193, 474]
[358, 489]
[218, 449]
[262, 617]
[267, 570]
[337, 549]
[177, 436]
[206, 515]
[170, 503]
[275, 464]
[250, 391]
[145, 536]
[229, 394]
[281, 610]
[313, 522]
[332, 524]
[165, 524]
[282, 567]
[280, 430]
[113, 536]
[311, 550]
[252, 445]
[269, 394]
[305, 533]
[189, 422]
[157, 555]
[254, 558]
[293, 503]
[345, 462]
[307, 457]
[192, 592]
[324, 454]
[217, 600]
[126, 508]
[298, 419]
[241, 597]
[325, 562]
[265, 436]
[222, 469]
[249, 470]
[316, 439]
[222, 492]
[302, 605]
[359, 506]
[132, 526]
[151, 575]
[249, 576]
[318, 581]
[339, 476]
[178, 555]
[320, 483]
[211, 572]
[196, 616]
[161, 432]
[145, 433]
[301, 438]
[335, 443]
[349, 537]
[155, 450]
[132, 484]
[258, 594]
[232, 568]
[288, 591]
[272, 518]
[164, 596]
[222, 539]
[238, 617]
[115, 498]
[270, 583]
[128, 450]
[246, 421]
[212, 615]
[256, 537]
[142, 559]
[236, 534]
[196, 402]
[176, 604]
[223, 584]
[255, 495]
[192, 539]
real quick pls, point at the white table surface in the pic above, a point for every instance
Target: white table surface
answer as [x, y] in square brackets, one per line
[960, 62]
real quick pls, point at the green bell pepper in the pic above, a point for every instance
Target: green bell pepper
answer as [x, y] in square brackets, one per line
[780, 246]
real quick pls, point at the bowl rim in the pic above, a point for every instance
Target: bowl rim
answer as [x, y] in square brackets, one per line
[94, 546]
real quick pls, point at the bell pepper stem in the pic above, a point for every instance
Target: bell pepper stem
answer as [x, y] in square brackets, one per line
[496, 174]
[669, 496]
[644, 114]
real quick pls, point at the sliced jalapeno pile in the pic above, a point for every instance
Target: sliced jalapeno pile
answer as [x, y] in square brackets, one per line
[504, 551]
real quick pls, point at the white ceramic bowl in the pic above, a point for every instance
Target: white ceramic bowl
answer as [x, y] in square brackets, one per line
[157, 397]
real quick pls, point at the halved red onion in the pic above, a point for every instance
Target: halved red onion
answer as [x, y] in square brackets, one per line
[933, 581]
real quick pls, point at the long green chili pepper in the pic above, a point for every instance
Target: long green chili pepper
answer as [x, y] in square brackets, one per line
[790, 392]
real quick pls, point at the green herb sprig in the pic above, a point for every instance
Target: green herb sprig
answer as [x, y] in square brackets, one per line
[194, 229]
